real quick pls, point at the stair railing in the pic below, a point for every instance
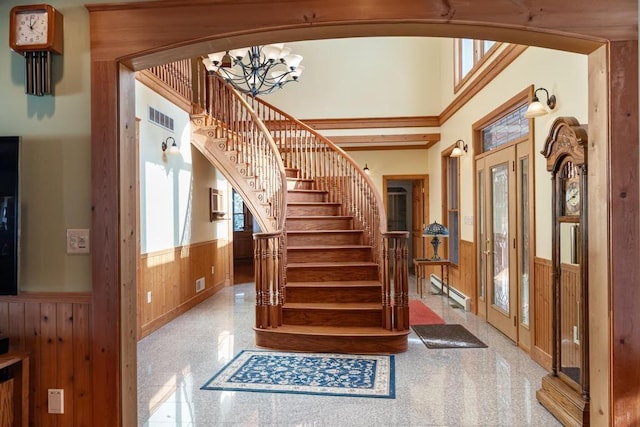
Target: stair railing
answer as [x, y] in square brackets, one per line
[319, 159]
[247, 136]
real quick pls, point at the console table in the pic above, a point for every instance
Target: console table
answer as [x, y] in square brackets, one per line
[14, 393]
[420, 265]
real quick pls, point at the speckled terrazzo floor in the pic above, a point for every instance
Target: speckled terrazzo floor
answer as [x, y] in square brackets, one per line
[492, 386]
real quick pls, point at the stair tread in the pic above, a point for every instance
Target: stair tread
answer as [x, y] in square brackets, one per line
[336, 330]
[305, 190]
[328, 247]
[322, 231]
[332, 264]
[319, 217]
[334, 284]
[334, 305]
[313, 203]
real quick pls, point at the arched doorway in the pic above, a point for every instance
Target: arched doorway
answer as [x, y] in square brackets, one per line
[136, 36]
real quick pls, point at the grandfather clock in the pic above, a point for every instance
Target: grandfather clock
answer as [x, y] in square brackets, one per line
[565, 391]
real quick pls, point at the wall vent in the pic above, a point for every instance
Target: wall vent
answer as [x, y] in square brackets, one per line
[160, 119]
[200, 284]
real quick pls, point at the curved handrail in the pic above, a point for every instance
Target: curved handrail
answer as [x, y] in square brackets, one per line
[318, 158]
[247, 134]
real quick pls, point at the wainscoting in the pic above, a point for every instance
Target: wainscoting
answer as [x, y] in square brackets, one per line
[55, 330]
[463, 276]
[543, 315]
[167, 281]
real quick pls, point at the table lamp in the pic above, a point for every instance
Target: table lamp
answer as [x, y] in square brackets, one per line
[435, 230]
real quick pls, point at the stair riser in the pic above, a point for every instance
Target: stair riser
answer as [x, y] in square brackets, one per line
[331, 317]
[311, 239]
[270, 338]
[319, 223]
[351, 294]
[311, 197]
[319, 210]
[328, 274]
[299, 185]
[332, 255]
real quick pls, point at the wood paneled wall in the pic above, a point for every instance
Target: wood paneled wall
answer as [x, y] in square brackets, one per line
[543, 312]
[55, 330]
[171, 277]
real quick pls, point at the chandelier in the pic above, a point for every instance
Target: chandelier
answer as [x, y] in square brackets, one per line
[256, 70]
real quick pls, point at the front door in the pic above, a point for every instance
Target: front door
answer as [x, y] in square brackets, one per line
[497, 254]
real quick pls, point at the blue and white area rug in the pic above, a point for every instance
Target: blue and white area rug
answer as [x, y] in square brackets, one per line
[308, 373]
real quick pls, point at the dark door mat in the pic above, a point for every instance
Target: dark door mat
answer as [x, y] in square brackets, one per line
[447, 336]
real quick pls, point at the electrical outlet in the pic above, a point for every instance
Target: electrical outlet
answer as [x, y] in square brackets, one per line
[149, 297]
[213, 269]
[56, 400]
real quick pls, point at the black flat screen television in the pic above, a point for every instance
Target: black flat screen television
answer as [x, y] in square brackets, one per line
[9, 214]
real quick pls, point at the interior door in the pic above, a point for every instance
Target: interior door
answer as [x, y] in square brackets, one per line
[418, 223]
[497, 199]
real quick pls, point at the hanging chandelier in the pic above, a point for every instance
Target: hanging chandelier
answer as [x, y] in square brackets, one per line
[256, 70]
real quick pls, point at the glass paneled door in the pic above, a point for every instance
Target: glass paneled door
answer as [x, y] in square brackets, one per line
[496, 196]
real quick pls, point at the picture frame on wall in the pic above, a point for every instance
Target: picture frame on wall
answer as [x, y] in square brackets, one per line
[216, 209]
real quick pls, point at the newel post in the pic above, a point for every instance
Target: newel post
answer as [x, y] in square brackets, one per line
[395, 280]
[267, 250]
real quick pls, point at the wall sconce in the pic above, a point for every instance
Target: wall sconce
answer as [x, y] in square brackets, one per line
[459, 148]
[536, 108]
[366, 169]
[173, 149]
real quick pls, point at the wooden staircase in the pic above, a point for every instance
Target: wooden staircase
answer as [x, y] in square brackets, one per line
[332, 299]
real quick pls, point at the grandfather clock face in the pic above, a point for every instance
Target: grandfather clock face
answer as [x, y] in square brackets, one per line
[571, 192]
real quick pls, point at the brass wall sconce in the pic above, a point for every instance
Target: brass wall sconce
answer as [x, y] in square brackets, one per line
[172, 149]
[536, 108]
[459, 148]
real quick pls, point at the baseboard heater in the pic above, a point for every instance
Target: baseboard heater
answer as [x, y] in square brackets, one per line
[454, 294]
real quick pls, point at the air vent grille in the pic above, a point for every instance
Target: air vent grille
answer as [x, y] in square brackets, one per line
[160, 119]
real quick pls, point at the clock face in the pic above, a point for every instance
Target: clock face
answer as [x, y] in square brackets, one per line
[31, 28]
[572, 198]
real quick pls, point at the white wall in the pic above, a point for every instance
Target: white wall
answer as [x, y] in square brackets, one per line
[174, 188]
[364, 77]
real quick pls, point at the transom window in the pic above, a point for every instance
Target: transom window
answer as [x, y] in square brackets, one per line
[469, 54]
[512, 126]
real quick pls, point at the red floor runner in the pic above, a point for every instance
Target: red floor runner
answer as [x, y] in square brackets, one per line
[420, 314]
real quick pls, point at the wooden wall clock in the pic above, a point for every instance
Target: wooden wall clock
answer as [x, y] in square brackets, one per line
[565, 392]
[36, 32]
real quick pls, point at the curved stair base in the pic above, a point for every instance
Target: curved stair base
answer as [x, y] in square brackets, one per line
[357, 340]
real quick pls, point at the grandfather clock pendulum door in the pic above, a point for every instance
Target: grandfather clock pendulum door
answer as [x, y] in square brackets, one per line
[565, 391]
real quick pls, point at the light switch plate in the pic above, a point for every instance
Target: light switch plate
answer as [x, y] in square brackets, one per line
[78, 241]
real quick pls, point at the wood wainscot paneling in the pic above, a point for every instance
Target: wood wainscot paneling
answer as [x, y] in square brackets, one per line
[54, 329]
[462, 277]
[167, 286]
[543, 312]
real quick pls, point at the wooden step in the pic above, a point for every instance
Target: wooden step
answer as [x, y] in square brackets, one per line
[332, 314]
[311, 196]
[291, 172]
[319, 222]
[356, 340]
[324, 237]
[314, 209]
[300, 184]
[328, 253]
[331, 271]
[334, 292]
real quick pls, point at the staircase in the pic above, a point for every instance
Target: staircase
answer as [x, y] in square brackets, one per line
[324, 261]
[333, 295]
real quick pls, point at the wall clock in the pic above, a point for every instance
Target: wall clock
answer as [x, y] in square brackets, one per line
[36, 32]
